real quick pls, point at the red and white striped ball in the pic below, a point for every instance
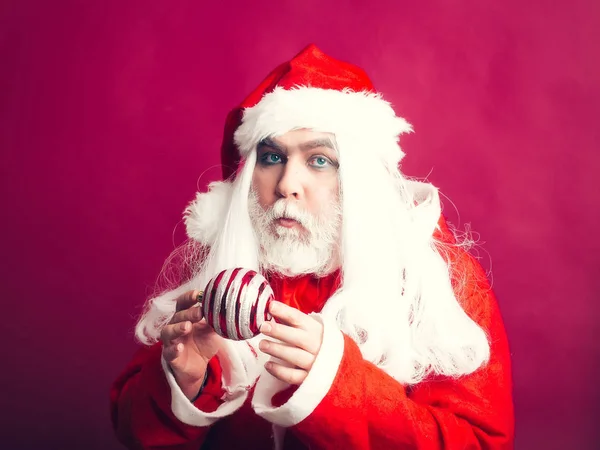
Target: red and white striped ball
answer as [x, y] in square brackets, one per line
[236, 303]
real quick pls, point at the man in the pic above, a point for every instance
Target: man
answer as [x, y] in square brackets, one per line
[386, 332]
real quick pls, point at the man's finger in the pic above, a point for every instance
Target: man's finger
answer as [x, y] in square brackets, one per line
[288, 375]
[289, 316]
[192, 314]
[171, 352]
[175, 331]
[187, 300]
[295, 356]
[289, 335]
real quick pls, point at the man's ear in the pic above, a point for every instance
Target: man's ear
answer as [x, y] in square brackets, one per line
[205, 215]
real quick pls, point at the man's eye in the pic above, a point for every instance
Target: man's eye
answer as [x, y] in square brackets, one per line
[270, 158]
[320, 161]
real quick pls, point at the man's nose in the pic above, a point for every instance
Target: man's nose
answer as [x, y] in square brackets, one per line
[290, 183]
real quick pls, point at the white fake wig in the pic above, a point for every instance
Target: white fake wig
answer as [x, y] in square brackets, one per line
[396, 300]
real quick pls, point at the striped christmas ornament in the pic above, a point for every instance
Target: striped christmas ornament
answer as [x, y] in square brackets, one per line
[235, 303]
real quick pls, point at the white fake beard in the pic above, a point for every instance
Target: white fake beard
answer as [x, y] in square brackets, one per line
[291, 251]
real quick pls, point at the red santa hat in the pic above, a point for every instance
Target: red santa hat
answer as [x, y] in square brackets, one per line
[312, 90]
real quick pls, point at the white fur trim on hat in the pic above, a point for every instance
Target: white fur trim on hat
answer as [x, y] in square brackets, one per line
[344, 112]
[205, 215]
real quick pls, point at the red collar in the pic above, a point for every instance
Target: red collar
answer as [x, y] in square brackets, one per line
[307, 293]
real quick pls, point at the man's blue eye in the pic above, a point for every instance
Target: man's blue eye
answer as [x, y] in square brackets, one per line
[319, 161]
[270, 158]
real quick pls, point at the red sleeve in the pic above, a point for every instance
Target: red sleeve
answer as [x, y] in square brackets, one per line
[367, 409]
[141, 405]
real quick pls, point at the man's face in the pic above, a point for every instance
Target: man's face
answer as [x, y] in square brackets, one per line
[295, 203]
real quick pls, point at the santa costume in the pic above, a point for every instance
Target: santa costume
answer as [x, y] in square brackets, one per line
[414, 352]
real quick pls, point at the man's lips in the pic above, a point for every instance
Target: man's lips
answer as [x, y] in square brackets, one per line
[287, 223]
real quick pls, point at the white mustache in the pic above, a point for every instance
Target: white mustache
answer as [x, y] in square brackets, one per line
[284, 210]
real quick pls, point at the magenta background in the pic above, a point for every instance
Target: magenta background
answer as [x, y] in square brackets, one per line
[110, 112]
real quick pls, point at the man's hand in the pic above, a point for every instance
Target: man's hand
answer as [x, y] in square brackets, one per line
[301, 337]
[189, 344]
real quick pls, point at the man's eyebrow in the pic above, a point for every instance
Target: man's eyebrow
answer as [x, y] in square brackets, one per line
[268, 142]
[308, 145]
[316, 143]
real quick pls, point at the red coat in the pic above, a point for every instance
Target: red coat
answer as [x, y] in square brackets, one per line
[360, 406]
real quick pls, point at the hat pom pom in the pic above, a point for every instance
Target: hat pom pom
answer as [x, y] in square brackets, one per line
[205, 215]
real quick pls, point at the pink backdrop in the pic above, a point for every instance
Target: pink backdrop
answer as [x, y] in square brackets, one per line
[112, 112]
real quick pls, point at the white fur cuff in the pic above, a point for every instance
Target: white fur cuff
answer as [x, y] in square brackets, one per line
[312, 391]
[185, 410]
